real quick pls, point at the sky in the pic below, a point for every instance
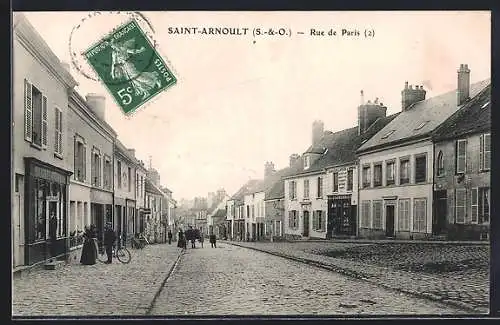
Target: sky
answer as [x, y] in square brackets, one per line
[241, 101]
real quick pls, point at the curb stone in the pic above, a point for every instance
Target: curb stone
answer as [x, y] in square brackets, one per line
[145, 303]
[354, 274]
[165, 279]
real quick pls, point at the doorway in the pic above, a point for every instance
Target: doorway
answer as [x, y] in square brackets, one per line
[389, 220]
[306, 224]
[440, 212]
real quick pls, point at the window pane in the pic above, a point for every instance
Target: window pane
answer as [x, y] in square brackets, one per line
[420, 169]
[377, 175]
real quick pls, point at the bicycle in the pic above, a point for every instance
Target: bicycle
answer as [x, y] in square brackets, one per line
[122, 254]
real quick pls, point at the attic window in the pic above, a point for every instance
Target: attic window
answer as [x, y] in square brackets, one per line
[421, 125]
[485, 104]
[388, 134]
[307, 161]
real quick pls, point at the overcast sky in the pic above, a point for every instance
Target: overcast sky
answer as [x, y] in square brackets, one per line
[239, 104]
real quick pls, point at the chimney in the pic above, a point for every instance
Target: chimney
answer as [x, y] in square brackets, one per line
[317, 132]
[463, 84]
[410, 95]
[368, 113]
[268, 169]
[132, 152]
[362, 98]
[293, 159]
[97, 104]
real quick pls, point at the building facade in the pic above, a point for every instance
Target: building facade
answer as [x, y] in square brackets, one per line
[397, 165]
[90, 142]
[462, 180]
[155, 232]
[140, 198]
[124, 191]
[41, 165]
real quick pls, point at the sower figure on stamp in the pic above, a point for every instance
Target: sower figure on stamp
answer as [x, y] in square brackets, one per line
[123, 68]
[109, 240]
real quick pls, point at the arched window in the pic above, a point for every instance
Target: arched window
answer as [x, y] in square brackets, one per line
[440, 164]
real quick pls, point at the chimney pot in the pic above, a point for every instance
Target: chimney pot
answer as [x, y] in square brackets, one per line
[97, 103]
[463, 84]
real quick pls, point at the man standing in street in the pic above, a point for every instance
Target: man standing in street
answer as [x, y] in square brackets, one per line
[169, 237]
[53, 234]
[109, 240]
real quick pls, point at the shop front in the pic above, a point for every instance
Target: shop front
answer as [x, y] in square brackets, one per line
[46, 193]
[101, 210]
[341, 216]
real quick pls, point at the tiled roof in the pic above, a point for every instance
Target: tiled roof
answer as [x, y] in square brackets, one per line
[420, 119]
[277, 190]
[245, 189]
[341, 146]
[220, 213]
[121, 147]
[474, 116]
[151, 188]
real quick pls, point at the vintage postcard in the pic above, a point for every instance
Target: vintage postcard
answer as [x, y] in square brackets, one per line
[251, 163]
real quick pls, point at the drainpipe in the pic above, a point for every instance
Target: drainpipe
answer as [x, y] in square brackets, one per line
[358, 194]
[433, 183]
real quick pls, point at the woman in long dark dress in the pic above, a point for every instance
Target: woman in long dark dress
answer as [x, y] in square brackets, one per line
[181, 242]
[89, 253]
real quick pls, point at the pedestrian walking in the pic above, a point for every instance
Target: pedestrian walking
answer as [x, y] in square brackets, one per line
[109, 240]
[201, 238]
[213, 241]
[89, 251]
[181, 241]
[169, 237]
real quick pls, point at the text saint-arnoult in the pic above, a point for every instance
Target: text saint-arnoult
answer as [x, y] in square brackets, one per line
[208, 30]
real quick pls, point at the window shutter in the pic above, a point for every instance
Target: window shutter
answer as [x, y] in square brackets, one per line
[487, 151]
[56, 133]
[84, 163]
[75, 158]
[44, 122]
[60, 137]
[474, 205]
[481, 152]
[28, 112]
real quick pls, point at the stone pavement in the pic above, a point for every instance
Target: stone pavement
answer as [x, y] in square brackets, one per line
[100, 289]
[230, 280]
[397, 268]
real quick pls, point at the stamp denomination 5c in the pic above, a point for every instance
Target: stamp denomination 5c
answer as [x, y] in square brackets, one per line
[129, 66]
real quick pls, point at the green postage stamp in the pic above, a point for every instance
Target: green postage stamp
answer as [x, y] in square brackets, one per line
[130, 67]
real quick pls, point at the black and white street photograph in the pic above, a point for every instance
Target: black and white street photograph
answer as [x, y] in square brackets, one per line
[170, 164]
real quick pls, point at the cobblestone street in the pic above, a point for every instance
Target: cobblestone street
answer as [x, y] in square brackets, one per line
[100, 289]
[457, 275]
[234, 280]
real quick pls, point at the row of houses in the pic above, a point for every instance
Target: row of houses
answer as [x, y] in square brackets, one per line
[423, 172]
[69, 169]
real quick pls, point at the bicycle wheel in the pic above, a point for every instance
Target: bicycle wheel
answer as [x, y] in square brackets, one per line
[123, 255]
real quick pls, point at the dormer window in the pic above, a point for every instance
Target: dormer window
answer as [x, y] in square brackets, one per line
[307, 162]
[421, 125]
[388, 134]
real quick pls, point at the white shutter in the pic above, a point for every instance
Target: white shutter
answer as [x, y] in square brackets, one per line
[44, 122]
[481, 152]
[84, 163]
[60, 136]
[28, 111]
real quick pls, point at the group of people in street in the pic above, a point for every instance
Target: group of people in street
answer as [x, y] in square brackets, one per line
[89, 250]
[192, 235]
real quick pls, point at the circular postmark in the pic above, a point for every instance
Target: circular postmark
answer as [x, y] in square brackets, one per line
[112, 46]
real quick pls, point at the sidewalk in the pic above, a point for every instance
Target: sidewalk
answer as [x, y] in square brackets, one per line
[100, 289]
[466, 289]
